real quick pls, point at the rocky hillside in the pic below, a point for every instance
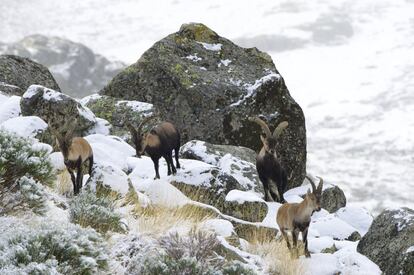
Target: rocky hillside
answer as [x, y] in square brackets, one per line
[209, 218]
[209, 87]
[77, 69]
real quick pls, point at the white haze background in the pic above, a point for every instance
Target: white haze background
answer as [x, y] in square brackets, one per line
[349, 64]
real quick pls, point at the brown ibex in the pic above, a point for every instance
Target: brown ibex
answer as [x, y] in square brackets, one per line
[269, 167]
[159, 142]
[75, 151]
[296, 217]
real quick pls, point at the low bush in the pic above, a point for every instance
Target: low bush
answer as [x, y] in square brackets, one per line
[51, 249]
[88, 209]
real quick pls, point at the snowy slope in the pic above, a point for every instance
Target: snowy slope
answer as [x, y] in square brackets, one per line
[349, 64]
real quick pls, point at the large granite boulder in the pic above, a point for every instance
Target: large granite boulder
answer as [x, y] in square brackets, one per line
[77, 69]
[389, 241]
[208, 87]
[18, 73]
[55, 107]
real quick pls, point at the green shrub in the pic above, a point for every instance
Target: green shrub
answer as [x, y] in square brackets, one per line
[87, 209]
[22, 171]
[52, 249]
[19, 159]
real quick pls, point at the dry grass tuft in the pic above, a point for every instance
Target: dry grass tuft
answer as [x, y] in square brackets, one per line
[158, 220]
[277, 257]
[64, 185]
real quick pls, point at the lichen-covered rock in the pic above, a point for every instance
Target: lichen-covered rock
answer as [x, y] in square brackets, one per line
[18, 73]
[254, 231]
[55, 107]
[237, 161]
[246, 206]
[333, 198]
[77, 70]
[208, 87]
[117, 112]
[390, 241]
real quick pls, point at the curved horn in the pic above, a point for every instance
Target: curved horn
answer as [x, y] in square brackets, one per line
[312, 183]
[144, 121]
[279, 129]
[262, 124]
[131, 128]
[319, 189]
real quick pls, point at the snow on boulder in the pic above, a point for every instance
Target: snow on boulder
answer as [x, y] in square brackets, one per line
[316, 245]
[110, 177]
[55, 107]
[236, 161]
[245, 205]
[9, 108]
[343, 261]
[220, 227]
[358, 217]
[330, 226]
[110, 150]
[28, 126]
[102, 127]
[56, 158]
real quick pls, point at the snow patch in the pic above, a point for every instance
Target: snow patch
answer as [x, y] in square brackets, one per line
[243, 196]
[251, 88]
[9, 108]
[136, 106]
[218, 226]
[28, 126]
[211, 47]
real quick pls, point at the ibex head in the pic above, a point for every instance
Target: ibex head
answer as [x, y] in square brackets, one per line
[270, 140]
[64, 137]
[138, 138]
[314, 197]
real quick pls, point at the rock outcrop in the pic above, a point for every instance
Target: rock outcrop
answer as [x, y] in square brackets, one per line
[77, 69]
[389, 241]
[333, 198]
[208, 87]
[55, 107]
[234, 160]
[117, 112]
[18, 73]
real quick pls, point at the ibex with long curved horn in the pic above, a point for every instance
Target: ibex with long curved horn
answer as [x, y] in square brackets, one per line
[269, 167]
[159, 142]
[296, 217]
[75, 151]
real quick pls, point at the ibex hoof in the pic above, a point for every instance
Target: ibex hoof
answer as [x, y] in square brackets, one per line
[307, 255]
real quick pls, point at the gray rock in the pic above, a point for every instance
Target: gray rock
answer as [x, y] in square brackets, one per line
[237, 161]
[390, 241]
[75, 67]
[254, 232]
[333, 198]
[117, 112]
[214, 193]
[355, 236]
[252, 211]
[208, 87]
[55, 107]
[18, 73]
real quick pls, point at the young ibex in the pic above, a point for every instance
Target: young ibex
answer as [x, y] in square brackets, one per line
[159, 142]
[75, 150]
[295, 217]
[269, 167]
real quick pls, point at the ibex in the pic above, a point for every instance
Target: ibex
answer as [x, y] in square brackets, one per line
[75, 150]
[269, 167]
[159, 142]
[295, 217]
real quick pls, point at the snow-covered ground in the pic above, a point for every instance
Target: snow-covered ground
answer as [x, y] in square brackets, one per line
[349, 64]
